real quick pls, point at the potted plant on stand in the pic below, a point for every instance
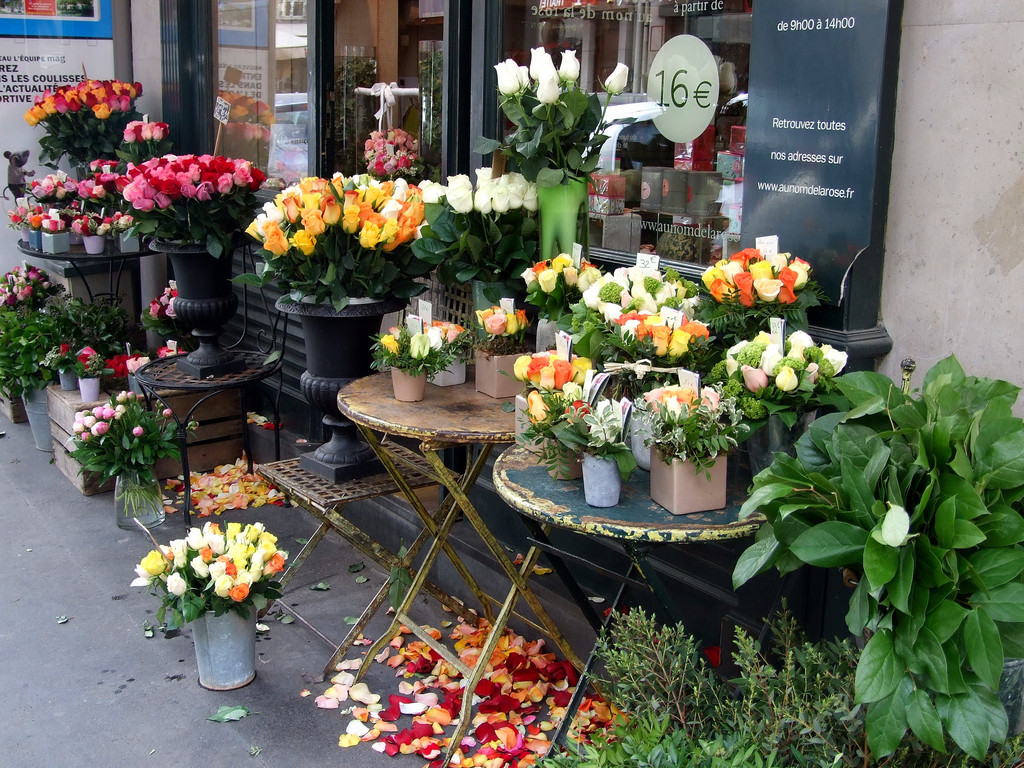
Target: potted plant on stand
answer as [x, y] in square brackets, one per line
[122, 440]
[459, 342]
[553, 286]
[412, 359]
[556, 139]
[598, 432]
[218, 594]
[92, 366]
[62, 359]
[338, 249]
[27, 336]
[484, 237]
[691, 436]
[194, 206]
[918, 497]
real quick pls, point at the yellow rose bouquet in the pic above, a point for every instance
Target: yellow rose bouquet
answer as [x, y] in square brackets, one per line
[328, 240]
[213, 570]
[741, 293]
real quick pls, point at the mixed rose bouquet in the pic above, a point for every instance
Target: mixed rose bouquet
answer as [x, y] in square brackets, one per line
[504, 333]
[98, 192]
[555, 284]
[26, 286]
[53, 222]
[597, 428]
[143, 140]
[121, 222]
[83, 120]
[213, 570]
[90, 224]
[769, 381]
[548, 372]
[693, 427]
[327, 240]
[55, 187]
[17, 217]
[392, 153]
[425, 353]
[558, 128]
[192, 199]
[122, 435]
[488, 233]
[160, 318]
[745, 290]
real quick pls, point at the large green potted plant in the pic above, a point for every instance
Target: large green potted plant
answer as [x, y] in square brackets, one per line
[919, 496]
[26, 336]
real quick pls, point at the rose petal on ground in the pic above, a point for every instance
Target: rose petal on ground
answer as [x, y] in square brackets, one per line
[361, 693]
[348, 740]
[348, 664]
[412, 708]
[325, 702]
[344, 678]
[357, 728]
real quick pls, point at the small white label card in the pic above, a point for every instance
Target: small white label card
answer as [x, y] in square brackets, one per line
[563, 345]
[688, 379]
[507, 305]
[172, 344]
[577, 255]
[777, 329]
[597, 383]
[626, 406]
[648, 260]
[426, 310]
[768, 245]
[414, 323]
[222, 110]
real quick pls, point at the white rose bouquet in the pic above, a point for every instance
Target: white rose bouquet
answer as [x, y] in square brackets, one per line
[213, 570]
[484, 232]
[768, 380]
[558, 128]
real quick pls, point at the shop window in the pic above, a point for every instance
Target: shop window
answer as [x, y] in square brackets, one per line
[387, 74]
[261, 70]
[682, 199]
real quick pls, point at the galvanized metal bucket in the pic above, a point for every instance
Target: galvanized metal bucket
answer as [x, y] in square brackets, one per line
[225, 649]
[38, 418]
[1011, 693]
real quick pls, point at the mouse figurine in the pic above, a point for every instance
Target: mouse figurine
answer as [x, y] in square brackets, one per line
[17, 174]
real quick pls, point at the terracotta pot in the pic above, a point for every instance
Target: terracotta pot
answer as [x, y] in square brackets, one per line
[408, 389]
[494, 376]
[681, 489]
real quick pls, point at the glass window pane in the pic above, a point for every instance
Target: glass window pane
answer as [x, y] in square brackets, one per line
[261, 64]
[397, 44]
[680, 199]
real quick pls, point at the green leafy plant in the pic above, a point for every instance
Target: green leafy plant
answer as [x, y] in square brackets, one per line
[919, 496]
[25, 338]
[489, 234]
[692, 427]
[595, 428]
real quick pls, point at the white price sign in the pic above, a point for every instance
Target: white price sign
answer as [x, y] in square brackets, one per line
[683, 79]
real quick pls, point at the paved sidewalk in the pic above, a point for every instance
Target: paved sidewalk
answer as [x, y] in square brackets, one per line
[94, 691]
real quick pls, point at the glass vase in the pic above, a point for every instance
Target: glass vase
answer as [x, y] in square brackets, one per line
[559, 208]
[137, 498]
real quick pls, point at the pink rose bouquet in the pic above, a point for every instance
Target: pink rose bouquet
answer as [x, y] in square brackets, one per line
[144, 140]
[392, 153]
[54, 188]
[26, 285]
[193, 199]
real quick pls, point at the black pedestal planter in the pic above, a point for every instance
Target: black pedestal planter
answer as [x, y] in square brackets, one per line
[338, 351]
[205, 302]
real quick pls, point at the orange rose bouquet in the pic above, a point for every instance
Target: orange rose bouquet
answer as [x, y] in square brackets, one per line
[84, 120]
[328, 240]
[501, 332]
[213, 570]
[741, 293]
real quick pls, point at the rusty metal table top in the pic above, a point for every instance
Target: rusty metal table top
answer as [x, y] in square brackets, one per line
[526, 486]
[456, 415]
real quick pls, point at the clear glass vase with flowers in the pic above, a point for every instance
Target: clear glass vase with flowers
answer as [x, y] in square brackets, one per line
[486, 233]
[691, 436]
[740, 294]
[123, 440]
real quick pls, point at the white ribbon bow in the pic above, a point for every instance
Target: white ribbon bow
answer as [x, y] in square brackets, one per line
[387, 99]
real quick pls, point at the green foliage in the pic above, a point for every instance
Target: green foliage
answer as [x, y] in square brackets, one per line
[694, 430]
[412, 353]
[26, 336]
[492, 247]
[796, 708]
[920, 497]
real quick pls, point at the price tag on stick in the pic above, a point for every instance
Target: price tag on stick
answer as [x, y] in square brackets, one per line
[414, 323]
[563, 345]
[768, 246]
[220, 114]
[577, 255]
[507, 305]
[689, 379]
[426, 311]
[648, 260]
[777, 329]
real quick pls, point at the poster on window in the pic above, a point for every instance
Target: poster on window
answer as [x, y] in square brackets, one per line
[56, 18]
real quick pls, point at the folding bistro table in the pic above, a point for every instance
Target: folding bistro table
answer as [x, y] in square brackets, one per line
[449, 417]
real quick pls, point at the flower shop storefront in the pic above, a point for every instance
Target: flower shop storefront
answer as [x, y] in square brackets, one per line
[641, 240]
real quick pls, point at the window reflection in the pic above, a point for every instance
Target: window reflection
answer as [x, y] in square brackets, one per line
[682, 200]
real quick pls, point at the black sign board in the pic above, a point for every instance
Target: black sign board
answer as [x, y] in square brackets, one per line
[814, 130]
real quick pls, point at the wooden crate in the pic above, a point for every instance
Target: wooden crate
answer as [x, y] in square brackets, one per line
[13, 409]
[217, 440]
